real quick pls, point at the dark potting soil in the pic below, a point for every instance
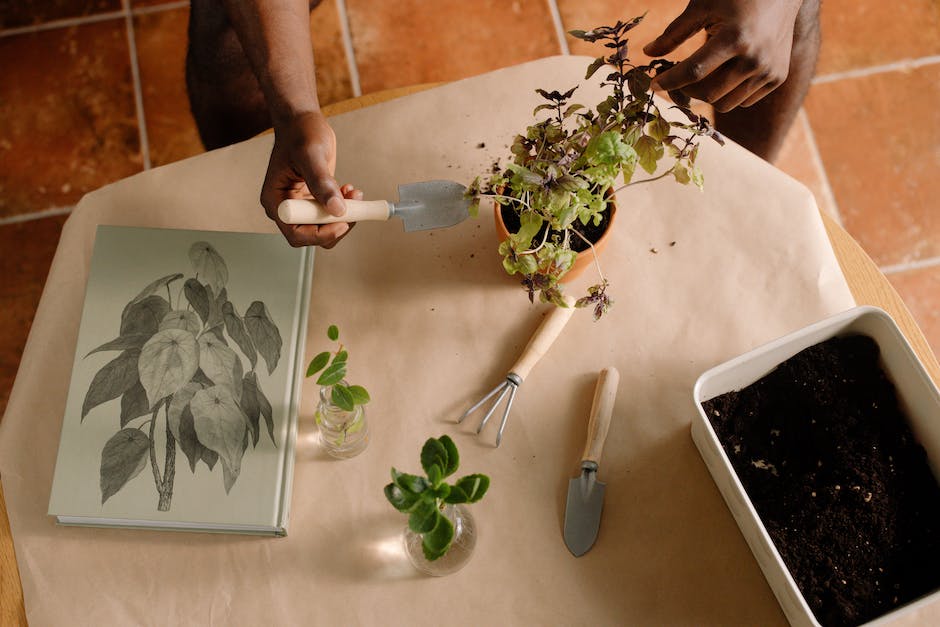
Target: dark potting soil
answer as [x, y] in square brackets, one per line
[591, 232]
[832, 468]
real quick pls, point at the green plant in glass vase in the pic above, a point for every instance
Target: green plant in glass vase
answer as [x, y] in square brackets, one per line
[555, 193]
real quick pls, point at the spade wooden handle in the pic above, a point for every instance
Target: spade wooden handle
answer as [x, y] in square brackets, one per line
[605, 395]
[300, 211]
[543, 338]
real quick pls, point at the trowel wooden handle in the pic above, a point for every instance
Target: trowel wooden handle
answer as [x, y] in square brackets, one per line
[300, 211]
[605, 395]
[543, 338]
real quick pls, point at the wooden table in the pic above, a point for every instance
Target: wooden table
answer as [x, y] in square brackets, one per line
[868, 285]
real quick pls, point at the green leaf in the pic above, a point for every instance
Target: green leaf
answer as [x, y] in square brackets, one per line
[198, 297]
[180, 319]
[220, 425]
[114, 379]
[341, 356]
[167, 362]
[143, 318]
[433, 454]
[435, 474]
[237, 331]
[474, 486]
[341, 397]
[681, 173]
[409, 483]
[437, 541]
[317, 363]
[156, 285]
[359, 394]
[453, 457]
[608, 148]
[456, 495]
[650, 152]
[122, 459]
[333, 374]
[424, 517]
[442, 491]
[658, 129]
[596, 64]
[209, 265]
[134, 404]
[221, 364]
[264, 333]
[401, 500]
[333, 332]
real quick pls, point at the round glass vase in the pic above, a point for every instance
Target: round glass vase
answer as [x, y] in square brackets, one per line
[343, 434]
[461, 548]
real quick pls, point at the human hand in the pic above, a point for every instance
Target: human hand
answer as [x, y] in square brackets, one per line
[745, 57]
[301, 166]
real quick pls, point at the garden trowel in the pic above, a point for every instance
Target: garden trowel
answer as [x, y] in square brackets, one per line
[421, 206]
[585, 492]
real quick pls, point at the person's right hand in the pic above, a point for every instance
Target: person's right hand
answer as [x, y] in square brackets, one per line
[301, 166]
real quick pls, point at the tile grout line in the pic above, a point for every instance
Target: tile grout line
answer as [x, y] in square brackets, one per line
[906, 64]
[920, 264]
[346, 30]
[138, 90]
[36, 215]
[820, 167]
[159, 8]
[63, 23]
[559, 26]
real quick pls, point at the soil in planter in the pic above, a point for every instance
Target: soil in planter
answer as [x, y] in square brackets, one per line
[832, 468]
[591, 232]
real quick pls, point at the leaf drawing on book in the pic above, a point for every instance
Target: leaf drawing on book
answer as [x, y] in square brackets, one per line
[179, 373]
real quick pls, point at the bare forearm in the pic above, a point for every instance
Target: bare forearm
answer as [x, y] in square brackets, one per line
[275, 35]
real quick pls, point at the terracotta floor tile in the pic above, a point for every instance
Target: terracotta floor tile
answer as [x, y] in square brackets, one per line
[920, 291]
[67, 118]
[15, 13]
[417, 41]
[333, 79]
[27, 248]
[798, 160]
[587, 14]
[161, 55]
[862, 33]
[879, 139]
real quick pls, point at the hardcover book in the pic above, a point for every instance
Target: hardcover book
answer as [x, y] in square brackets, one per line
[182, 407]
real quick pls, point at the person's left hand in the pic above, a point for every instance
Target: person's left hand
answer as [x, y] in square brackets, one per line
[746, 55]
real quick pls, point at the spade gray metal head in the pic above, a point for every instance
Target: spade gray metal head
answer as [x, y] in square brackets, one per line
[583, 509]
[431, 205]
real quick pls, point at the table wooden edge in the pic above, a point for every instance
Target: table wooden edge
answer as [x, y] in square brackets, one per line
[868, 285]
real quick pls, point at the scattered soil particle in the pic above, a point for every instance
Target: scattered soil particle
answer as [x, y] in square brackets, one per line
[481, 145]
[843, 488]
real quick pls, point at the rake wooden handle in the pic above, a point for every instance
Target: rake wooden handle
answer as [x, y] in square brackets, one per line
[543, 338]
[602, 408]
[301, 211]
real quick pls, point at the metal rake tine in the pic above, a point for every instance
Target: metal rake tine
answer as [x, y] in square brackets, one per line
[502, 423]
[501, 385]
[486, 418]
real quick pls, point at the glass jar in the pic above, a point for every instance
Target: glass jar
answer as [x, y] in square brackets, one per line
[460, 551]
[343, 434]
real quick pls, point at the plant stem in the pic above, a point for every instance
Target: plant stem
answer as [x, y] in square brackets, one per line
[169, 467]
[649, 180]
[153, 452]
[536, 249]
[597, 263]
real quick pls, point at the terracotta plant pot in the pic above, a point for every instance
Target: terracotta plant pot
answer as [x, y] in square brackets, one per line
[585, 258]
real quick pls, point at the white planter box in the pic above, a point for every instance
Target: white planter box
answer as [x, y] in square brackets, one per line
[917, 394]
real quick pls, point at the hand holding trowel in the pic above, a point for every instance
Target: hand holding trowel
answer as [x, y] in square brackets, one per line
[421, 206]
[585, 492]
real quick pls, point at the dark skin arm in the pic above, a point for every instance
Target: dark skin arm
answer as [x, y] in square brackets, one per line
[746, 55]
[276, 38]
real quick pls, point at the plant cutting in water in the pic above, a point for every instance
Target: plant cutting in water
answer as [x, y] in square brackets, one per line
[554, 193]
[333, 365]
[424, 498]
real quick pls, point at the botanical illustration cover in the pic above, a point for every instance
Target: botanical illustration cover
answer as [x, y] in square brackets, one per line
[182, 386]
